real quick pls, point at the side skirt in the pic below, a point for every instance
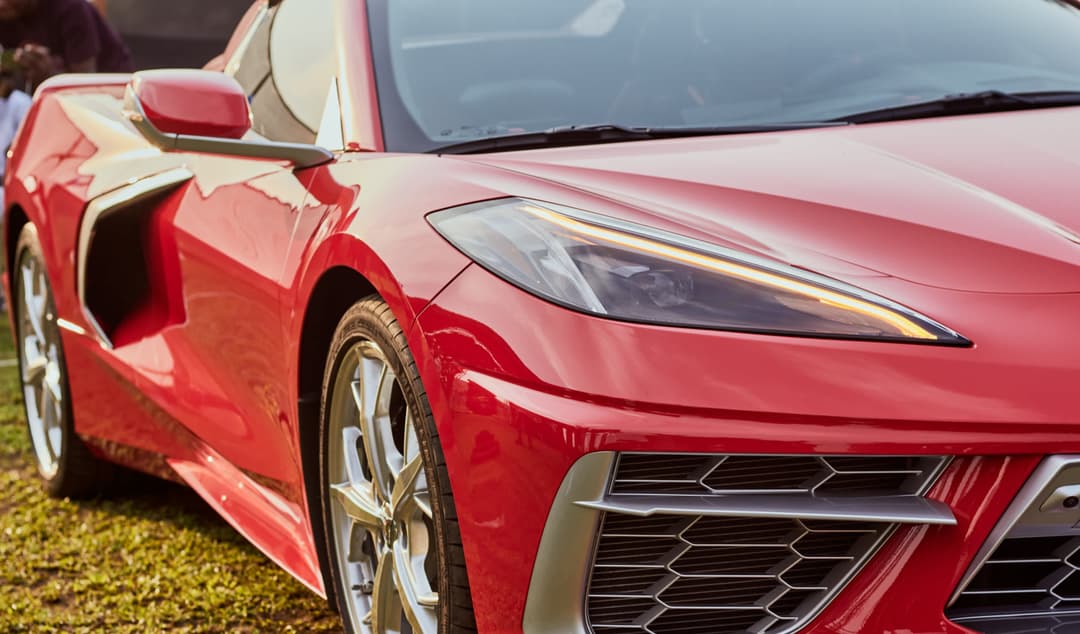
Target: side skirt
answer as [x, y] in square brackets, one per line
[276, 527]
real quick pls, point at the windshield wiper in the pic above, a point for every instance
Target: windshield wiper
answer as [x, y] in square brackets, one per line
[967, 103]
[571, 135]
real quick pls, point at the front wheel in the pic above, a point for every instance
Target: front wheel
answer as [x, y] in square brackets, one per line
[64, 462]
[394, 546]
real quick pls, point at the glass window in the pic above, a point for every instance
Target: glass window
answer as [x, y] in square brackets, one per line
[250, 65]
[286, 67]
[303, 57]
[456, 70]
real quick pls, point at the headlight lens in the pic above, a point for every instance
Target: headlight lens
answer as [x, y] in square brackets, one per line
[620, 270]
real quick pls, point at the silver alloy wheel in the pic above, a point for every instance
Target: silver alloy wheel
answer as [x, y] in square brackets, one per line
[42, 371]
[382, 523]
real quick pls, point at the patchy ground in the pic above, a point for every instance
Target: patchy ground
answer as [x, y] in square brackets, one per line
[155, 560]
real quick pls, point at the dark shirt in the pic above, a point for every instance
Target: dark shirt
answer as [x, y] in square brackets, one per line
[73, 30]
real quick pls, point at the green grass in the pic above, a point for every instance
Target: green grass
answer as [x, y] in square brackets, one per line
[155, 560]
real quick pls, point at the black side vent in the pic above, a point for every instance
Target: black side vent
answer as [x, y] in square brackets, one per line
[121, 258]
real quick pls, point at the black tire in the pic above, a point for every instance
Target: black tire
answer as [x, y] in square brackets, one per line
[77, 473]
[371, 320]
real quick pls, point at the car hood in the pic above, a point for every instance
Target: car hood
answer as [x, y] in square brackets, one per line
[985, 203]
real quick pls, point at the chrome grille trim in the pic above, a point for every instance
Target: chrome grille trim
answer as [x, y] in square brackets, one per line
[842, 533]
[907, 509]
[555, 603]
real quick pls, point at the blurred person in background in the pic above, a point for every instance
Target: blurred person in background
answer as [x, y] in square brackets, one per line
[50, 37]
[14, 105]
[42, 38]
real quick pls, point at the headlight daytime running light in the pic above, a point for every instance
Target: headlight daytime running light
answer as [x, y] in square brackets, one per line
[625, 271]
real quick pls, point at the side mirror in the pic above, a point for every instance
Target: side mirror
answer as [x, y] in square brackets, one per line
[204, 111]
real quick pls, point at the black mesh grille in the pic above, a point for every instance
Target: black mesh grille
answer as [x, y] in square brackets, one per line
[672, 578]
[700, 474]
[668, 574]
[749, 473]
[1024, 574]
[1039, 624]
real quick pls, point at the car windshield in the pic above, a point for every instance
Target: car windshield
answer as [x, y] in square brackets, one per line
[450, 71]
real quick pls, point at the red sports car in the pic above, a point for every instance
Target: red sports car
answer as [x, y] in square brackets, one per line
[584, 316]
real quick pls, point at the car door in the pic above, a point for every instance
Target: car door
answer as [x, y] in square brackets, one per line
[232, 230]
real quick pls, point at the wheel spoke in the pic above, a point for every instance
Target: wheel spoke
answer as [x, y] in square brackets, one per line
[34, 306]
[422, 500]
[56, 437]
[358, 504]
[403, 499]
[53, 378]
[384, 597]
[35, 366]
[42, 300]
[411, 444]
[417, 496]
[417, 600]
[43, 450]
[49, 424]
[354, 469]
[371, 393]
[38, 431]
[47, 408]
[373, 446]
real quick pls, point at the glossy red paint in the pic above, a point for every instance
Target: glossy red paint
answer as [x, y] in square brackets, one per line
[193, 102]
[505, 387]
[204, 379]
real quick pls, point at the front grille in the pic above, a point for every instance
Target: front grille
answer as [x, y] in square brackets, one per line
[1027, 575]
[1044, 624]
[822, 475]
[742, 574]
[762, 572]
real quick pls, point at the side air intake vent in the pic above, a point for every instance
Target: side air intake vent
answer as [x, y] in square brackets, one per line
[117, 268]
[743, 544]
[1026, 578]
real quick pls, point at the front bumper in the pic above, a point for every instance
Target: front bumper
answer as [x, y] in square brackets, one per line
[522, 390]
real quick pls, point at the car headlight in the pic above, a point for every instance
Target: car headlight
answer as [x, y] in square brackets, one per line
[625, 271]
